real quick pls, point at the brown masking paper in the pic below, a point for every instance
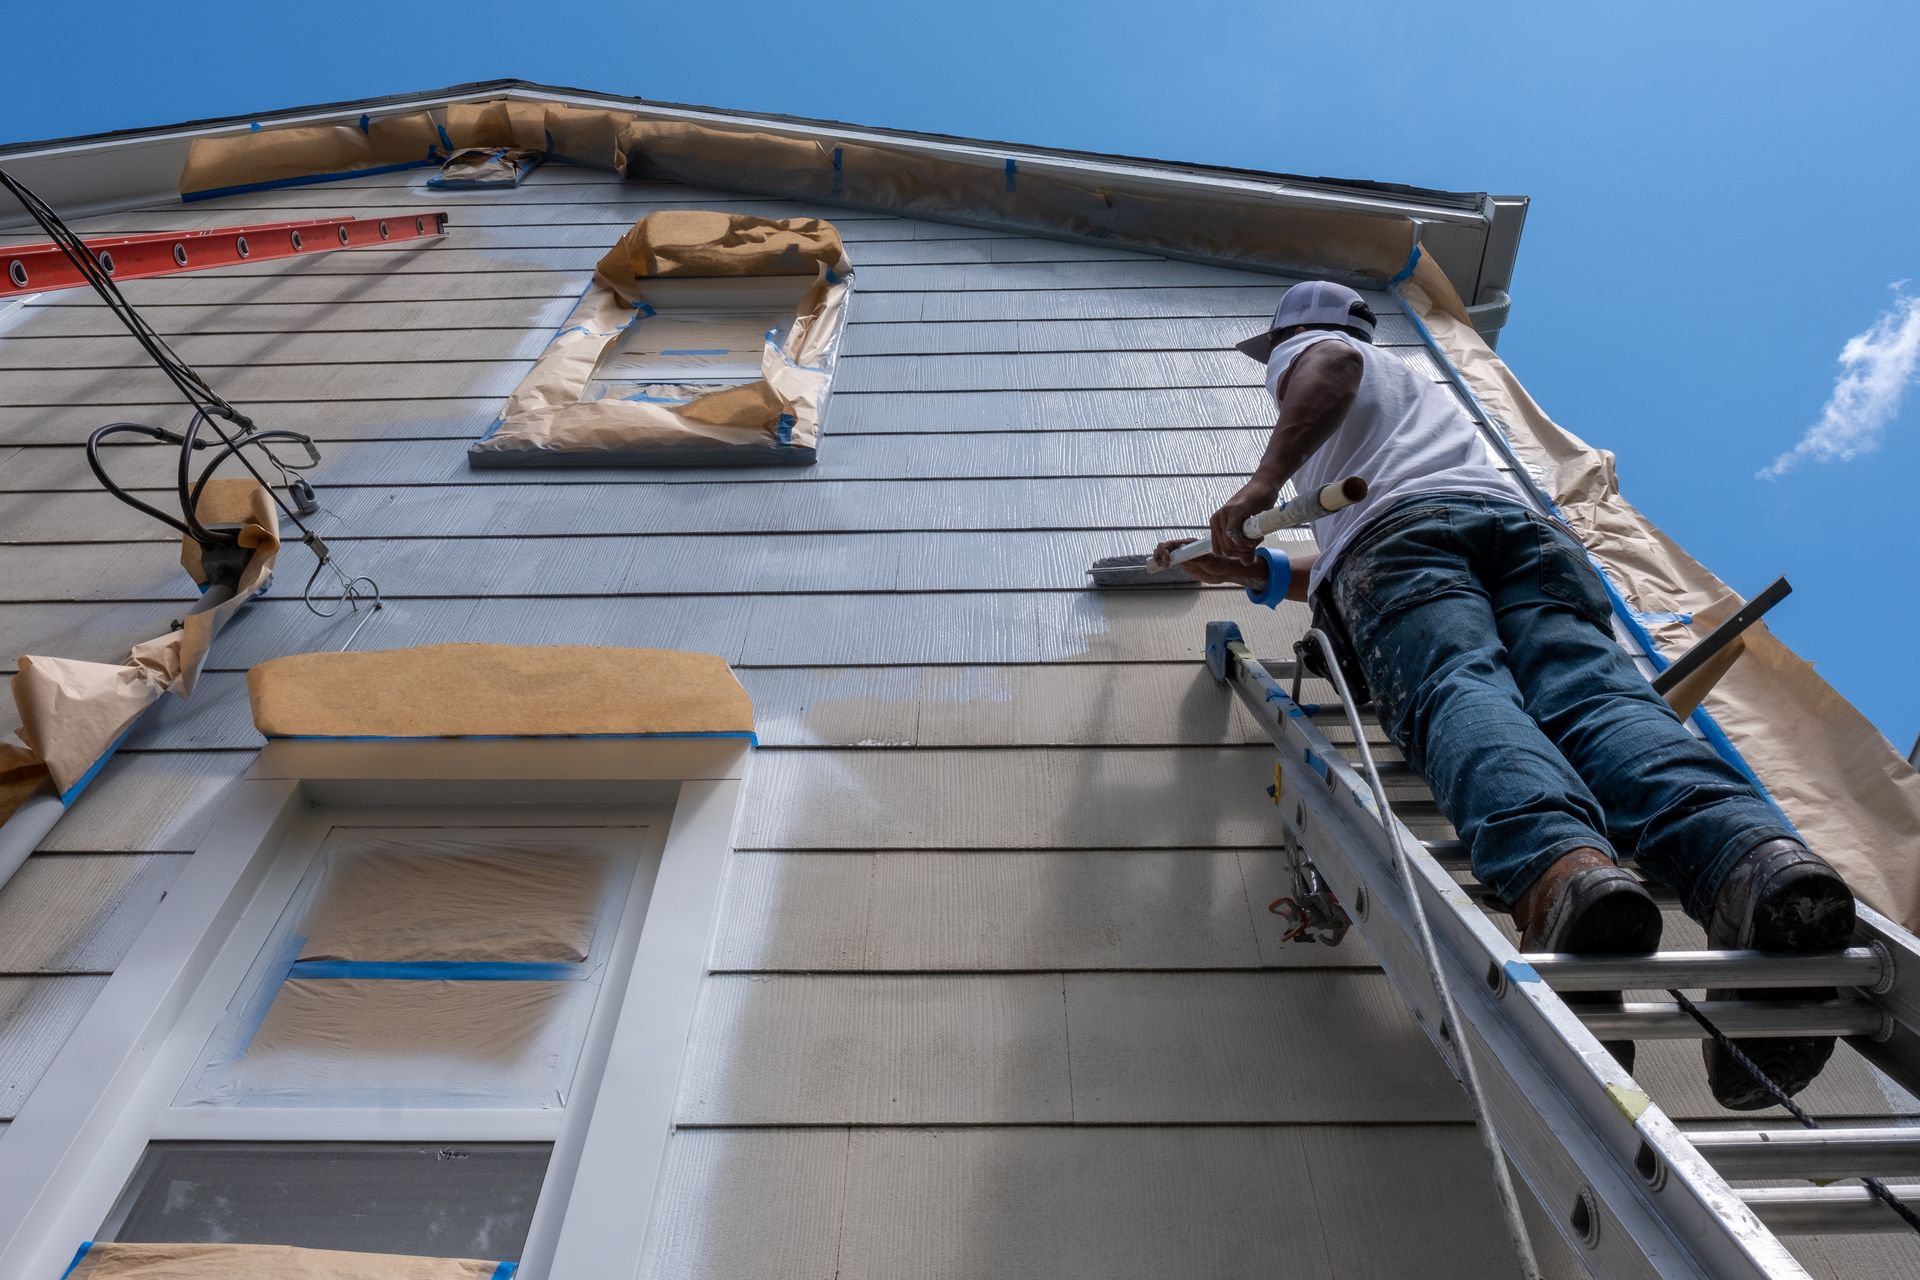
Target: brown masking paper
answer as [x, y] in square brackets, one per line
[485, 167]
[552, 417]
[308, 151]
[437, 898]
[464, 690]
[112, 1260]
[1226, 226]
[73, 712]
[1854, 798]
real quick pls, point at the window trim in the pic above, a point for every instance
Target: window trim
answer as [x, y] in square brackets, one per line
[78, 1138]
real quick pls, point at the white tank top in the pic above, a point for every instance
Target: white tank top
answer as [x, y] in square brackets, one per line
[1405, 435]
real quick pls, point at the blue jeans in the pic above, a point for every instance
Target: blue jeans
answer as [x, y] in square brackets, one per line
[1487, 639]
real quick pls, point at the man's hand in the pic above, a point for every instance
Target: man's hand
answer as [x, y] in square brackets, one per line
[1229, 540]
[1213, 570]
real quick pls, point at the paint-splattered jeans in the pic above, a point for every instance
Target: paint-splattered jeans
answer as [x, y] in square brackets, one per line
[1486, 637]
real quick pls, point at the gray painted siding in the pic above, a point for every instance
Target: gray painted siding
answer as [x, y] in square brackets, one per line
[995, 989]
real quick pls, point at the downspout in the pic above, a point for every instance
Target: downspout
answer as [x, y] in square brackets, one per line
[28, 825]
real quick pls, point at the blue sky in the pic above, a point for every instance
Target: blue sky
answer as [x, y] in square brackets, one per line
[1722, 195]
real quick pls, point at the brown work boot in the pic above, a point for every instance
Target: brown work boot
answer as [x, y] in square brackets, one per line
[1586, 905]
[1780, 897]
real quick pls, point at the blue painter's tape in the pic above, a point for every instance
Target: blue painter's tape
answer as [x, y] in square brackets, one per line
[1013, 171]
[445, 141]
[832, 278]
[253, 127]
[492, 427]
[505, 1271]
[839, 173]
[696, 351]
[1660, 616]
[365, 120]
[430, 970]
[1406, 272]
[748, 734]
[1319, 766]
[81, 1252]
[644, 309]
[1521, 971]
[72, 793]
[783, 430]
[647, 397]
[312, 179]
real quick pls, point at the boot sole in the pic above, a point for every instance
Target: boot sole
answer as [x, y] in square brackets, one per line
[1623, 919]
[1815, 914]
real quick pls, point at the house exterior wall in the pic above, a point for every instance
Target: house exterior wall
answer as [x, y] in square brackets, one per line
[993, 988]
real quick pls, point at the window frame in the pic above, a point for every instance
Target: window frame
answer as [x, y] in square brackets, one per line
[83, 1130]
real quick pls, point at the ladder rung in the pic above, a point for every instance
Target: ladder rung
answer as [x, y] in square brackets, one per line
[1485, 896]
[1811, 1153]
[1664, 1020]
[1853, 967]
[1809, 1211]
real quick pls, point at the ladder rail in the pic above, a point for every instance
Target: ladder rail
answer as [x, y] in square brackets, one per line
[1617, 1178]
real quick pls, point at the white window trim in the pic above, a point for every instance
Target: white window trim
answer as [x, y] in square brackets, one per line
[76, 1141]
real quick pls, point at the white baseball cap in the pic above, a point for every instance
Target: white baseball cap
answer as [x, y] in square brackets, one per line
[1311, 302]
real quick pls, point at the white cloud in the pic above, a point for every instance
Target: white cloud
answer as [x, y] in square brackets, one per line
[1876, 368]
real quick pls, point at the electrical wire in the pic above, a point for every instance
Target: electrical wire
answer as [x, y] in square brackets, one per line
[210, 409]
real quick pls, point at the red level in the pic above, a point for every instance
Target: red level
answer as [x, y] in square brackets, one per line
[34, 268]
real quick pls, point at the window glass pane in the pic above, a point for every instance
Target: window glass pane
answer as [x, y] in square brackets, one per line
[455, 1201]
[430, 897]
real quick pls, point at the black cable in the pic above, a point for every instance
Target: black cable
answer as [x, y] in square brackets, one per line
[1793, 1108]
[209, 408]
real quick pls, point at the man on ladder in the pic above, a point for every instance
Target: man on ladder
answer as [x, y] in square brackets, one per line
[1486, 639]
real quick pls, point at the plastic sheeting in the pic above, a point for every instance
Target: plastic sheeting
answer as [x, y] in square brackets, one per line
[1848, 790]
[399, 1042]
[431, 898]
[435, 967]
[561, 413]
[451, 690]
[109, 1260]
[73, 713]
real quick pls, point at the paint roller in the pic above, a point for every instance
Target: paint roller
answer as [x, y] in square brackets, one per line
[1139, 571]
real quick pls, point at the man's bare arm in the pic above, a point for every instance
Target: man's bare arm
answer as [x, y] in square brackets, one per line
[1320, 389]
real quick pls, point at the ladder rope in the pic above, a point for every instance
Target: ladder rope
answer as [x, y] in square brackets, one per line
[1449, 1016]
[1779, 1095]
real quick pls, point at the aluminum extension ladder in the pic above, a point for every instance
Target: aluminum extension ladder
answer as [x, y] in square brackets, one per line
[1630, 1193]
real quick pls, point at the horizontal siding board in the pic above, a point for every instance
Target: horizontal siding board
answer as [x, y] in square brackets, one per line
[254, 385]
[585, 509]
[894, 1050]
[455, 418]
[978, 912]
[55, 326]
[746, 1205]
[36, 1017]
[1009, 799]
[1183, 333]
[1159, 409]
[148, 804]
[387, 463]
[1269, 1047]
[1255, 299]
[202, 288]
[1076, 704]
[1227, 1203]
[805, 630]
[78, 913]
[215, 352]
